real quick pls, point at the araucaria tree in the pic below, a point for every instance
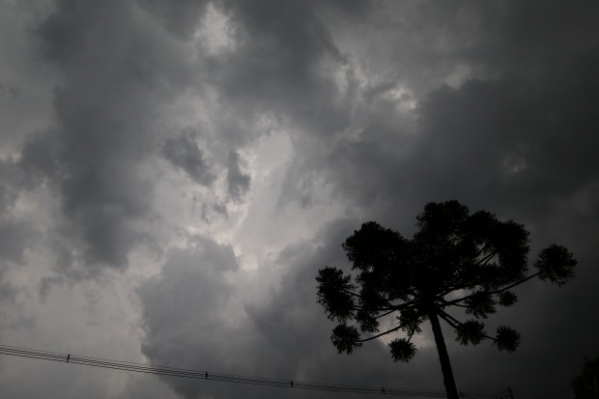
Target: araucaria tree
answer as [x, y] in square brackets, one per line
[456, 260]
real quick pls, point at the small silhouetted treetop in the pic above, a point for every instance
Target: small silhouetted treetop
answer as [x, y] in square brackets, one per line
[455, 260]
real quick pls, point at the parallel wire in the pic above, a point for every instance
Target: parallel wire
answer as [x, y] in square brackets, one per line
[230, 378]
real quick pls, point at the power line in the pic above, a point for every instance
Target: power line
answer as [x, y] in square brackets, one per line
[229, 378]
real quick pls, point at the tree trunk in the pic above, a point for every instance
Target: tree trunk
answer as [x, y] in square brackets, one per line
[450, 387]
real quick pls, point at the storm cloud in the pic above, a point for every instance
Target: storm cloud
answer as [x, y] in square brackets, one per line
[174, 173]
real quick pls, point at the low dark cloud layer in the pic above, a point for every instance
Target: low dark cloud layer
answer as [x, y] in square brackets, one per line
[277, 335]
[287, 117]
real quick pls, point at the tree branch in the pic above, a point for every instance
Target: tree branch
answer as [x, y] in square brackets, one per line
[483, 261]
[515, 284]
[381, 334]
[455, 323]
[448, 321]
[447, 317]
[351, 292]
[483, 249]
[385, 314]
[450, 290]
[507, 287]
[392, 308]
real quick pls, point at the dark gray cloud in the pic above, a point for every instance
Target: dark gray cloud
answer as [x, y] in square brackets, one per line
[184, 152]
[386, 106]
[110, 63]
[237, 181]
[508, 138]
[275, 66]
[16, 232]
[187, 305]
[15, 237]
[99, 136]
[181, 18]
[10, 179]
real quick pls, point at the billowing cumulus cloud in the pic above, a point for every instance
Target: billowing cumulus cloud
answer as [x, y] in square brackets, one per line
[174, 173]
[102, 130]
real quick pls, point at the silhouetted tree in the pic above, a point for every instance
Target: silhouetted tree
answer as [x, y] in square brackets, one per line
[455, 259]
[586, 384]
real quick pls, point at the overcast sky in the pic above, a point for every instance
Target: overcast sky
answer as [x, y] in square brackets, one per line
[174, 173]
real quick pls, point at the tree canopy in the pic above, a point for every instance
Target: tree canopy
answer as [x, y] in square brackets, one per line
[455, 260]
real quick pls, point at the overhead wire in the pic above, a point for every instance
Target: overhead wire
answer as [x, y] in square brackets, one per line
[228, 378]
